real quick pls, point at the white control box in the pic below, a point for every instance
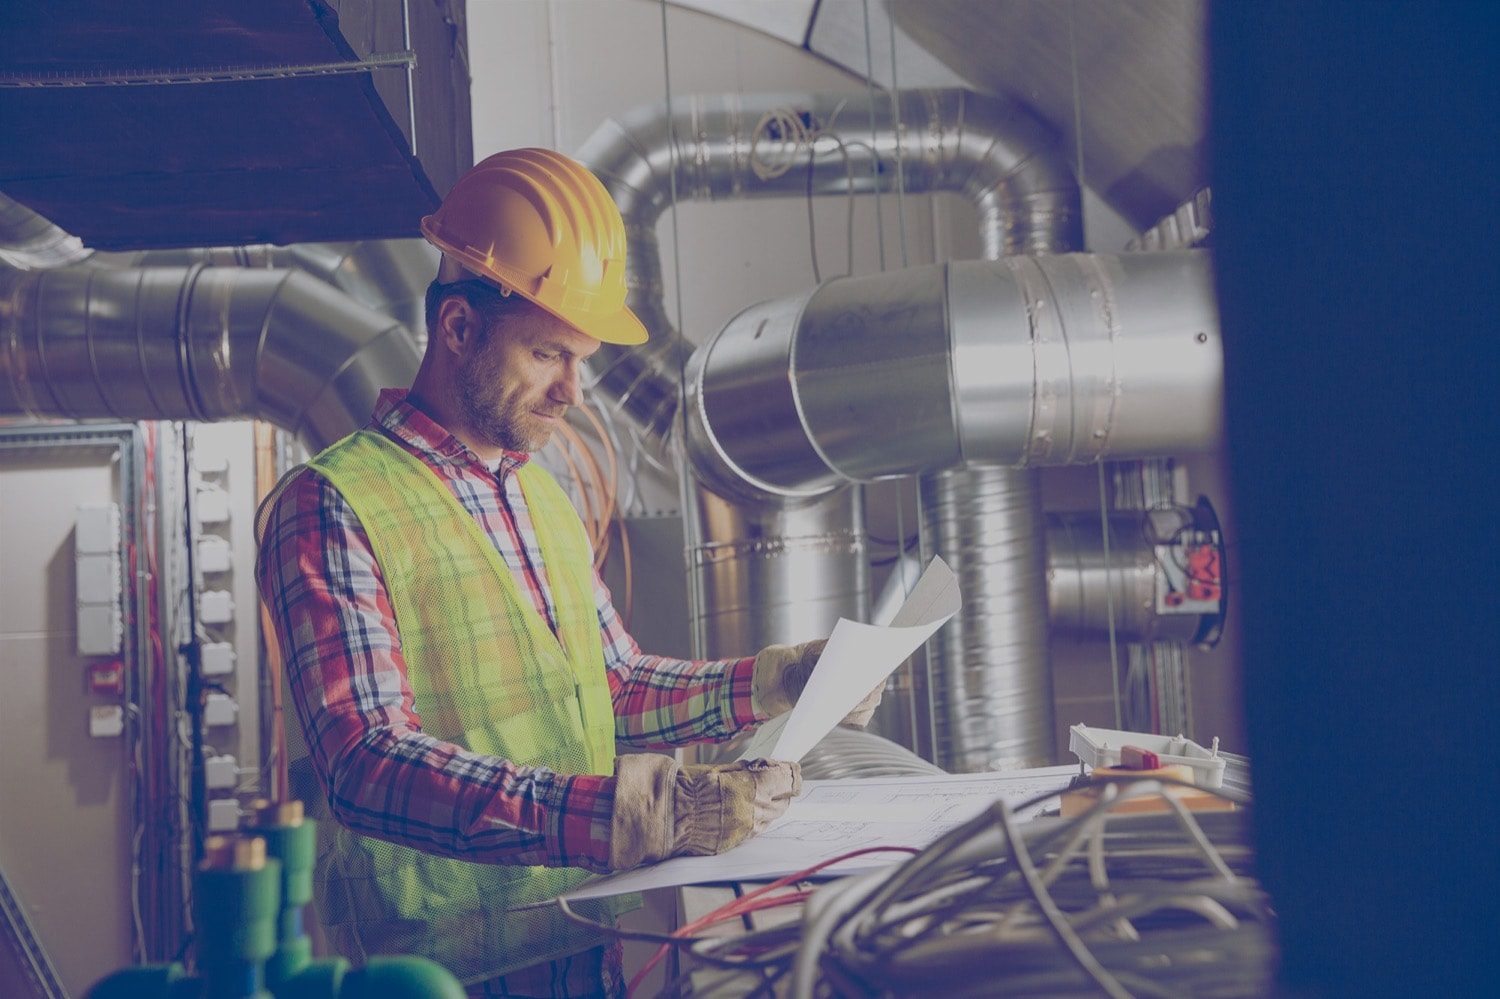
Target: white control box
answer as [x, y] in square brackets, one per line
[219, 710]
[216, 606]
[223, 815]
[216, 658]
[219, 773]
[214, 554]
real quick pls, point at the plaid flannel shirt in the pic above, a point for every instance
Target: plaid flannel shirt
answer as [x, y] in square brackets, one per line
[348, 684]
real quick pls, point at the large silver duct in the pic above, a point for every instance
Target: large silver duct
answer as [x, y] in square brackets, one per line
[303, 337]
[1021, 362]
[195, 343]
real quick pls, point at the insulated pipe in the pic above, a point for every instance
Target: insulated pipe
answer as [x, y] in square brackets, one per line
[195, 343]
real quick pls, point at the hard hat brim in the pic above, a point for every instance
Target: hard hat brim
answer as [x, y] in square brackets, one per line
[621, 328]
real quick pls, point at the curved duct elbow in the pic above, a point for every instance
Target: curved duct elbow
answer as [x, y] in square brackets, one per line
[196, 343]
[740, 146]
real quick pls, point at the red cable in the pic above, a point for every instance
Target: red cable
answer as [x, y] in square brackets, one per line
[754, 902]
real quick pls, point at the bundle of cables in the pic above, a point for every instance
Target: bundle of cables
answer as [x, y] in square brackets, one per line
[1111, 902]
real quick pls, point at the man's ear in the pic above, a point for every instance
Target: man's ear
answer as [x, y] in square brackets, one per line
[457, 323]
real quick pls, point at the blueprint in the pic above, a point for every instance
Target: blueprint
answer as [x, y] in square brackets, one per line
[834, 817]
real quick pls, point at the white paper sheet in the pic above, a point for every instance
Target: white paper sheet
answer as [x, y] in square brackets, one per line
[834, 817]
[857, 658]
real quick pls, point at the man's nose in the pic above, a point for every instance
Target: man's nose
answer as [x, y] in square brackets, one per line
[570, 386]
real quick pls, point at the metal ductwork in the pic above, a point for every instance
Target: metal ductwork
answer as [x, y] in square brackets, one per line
[387, 275]
[965, 374]
[962, 373]
[1021, 362]
[195, 343]
[28, 241]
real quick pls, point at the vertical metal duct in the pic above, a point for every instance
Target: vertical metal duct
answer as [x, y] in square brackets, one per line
[990, 677]
[195, 343]
[775, 572]
[734, 147]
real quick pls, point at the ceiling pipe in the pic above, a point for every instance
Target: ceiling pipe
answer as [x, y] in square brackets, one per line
[976, 383]
[737, 147]
[195, 343]
[387, 275]
[300, 336]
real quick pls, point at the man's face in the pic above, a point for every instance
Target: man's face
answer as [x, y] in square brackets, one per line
[516, 383]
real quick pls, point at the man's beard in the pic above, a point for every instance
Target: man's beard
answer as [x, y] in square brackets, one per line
[505, 425]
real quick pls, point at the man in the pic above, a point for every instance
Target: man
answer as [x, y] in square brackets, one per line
[457, 670]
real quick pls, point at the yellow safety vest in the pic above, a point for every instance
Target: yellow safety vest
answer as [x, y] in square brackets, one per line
[487, 673]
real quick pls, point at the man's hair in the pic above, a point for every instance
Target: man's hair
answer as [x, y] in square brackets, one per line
[487, 299]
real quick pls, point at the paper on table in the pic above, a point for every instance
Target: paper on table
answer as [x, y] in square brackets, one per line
[856, 658]
[833, 818]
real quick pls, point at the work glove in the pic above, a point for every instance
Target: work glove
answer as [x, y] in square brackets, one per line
[667, 809]
[781, 672]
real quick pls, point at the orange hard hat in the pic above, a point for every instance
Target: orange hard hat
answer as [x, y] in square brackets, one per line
[542, 225]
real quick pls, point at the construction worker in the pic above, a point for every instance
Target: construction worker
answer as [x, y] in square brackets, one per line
[458, 674]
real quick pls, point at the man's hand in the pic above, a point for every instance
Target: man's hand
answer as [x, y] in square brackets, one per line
[782, 672]
[666, 809]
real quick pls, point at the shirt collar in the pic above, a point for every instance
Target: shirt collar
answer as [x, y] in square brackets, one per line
[423, 434]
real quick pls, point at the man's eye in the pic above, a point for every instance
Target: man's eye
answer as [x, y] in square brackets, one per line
[542, 355]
